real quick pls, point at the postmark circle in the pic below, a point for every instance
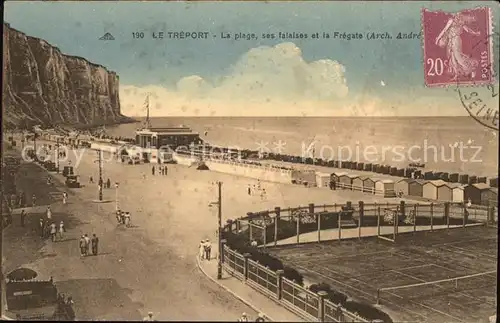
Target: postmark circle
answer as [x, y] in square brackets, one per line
[481, 100]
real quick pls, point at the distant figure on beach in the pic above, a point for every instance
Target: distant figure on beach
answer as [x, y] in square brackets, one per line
[153, 170]
[108, 183]
[263, 195]
[65, 197]
[33, 200]
[95, 244]
[91, 179]
[166, 170]
[254, 243]
[49, 213]
[127, 219]
[249, 190]
[143, 176]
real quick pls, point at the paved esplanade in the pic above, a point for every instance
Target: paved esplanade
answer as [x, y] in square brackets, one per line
[151, 267]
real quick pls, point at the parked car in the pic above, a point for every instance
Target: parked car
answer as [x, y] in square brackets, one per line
[68, 171]
[72, 181]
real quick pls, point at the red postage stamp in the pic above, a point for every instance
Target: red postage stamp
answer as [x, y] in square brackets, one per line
[458, 49]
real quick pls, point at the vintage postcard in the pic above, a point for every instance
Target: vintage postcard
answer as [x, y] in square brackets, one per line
[250, 161]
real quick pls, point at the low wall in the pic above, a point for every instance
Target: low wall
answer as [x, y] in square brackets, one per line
[104, 147]
[263, 173]
[185, 160]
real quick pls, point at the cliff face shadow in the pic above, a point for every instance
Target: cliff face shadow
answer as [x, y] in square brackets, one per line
[100, 299]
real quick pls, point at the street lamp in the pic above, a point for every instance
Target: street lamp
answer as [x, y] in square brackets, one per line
[219, 230]
[99, 160]
[116, 196]
[57, 152]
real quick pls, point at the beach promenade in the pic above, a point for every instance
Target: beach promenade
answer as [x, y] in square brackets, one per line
[151, 266]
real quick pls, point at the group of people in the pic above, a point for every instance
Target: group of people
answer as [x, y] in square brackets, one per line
[162, 170]
[244, 318]
[251, 190]
[86, 243]
[123, 218]
[48, 228]
[205, 249]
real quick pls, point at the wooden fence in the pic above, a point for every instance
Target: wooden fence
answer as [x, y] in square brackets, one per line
[313, 307]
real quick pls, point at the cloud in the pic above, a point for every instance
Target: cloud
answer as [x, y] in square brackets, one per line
[264, 81]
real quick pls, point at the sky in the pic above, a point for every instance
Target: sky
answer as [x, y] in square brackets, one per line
[252, 77]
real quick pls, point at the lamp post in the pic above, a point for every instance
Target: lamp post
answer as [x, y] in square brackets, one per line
[99, 160]
[57, 157]
[116, 196]
[219, 230]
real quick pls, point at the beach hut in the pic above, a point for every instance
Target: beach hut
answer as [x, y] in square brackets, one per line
[376, 168]
[489, 197]
[445, 177]
[400, 172]
[417, 174]
[430, 189]
[393, 171]
[429, 176]
[357, 183]
[354, 165]
[408, 172]
[361, 166]
[473, 192]
[457, 194]
[403, 186]
[444, 192]
[463, 179]
[494, 182]
[454, 177]
[369, 185]
[345, 181]
[386, 169]
[322, 179]
[481, 179]
[416, 188]
[334, 177]
[472, 179]
[368, 167]
[385, 188]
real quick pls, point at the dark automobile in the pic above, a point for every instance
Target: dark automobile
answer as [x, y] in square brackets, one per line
[68, 171]
[50, 166]
[72, 181]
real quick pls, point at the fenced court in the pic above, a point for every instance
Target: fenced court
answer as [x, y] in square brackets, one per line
[440, 276]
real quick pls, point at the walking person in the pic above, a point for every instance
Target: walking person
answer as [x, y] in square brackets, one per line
[53, 231]
[166, 170]
[61, 230]
[65, 197]
[260, 318]
[249, 190]
[49, 213]
[153, 170]
[33, 200]
[95, 244]
[202, 249]
[208, 249]
[91, 180]
[82, 246]
[127, 219]
[108, 183]
[243, 318]
[23, 216]
[87, 244]
[42, 228]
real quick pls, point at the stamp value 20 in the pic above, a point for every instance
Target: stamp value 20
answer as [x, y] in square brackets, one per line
[455, 52]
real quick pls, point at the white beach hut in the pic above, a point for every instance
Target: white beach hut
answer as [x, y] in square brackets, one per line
[357, 183]
[457, 194]
[385, 188]
[322, 179]
[430, 189]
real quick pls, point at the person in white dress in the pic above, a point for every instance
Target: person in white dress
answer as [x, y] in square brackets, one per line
[49, 213]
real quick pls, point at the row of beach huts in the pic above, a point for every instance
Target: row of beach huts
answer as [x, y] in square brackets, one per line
[439, 190]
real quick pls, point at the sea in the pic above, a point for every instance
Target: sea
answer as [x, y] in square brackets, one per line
[448, 144]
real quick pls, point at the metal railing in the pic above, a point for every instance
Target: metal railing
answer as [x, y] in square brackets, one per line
[313, 307]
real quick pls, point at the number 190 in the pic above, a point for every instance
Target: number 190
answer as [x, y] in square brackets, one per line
[138, 34]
